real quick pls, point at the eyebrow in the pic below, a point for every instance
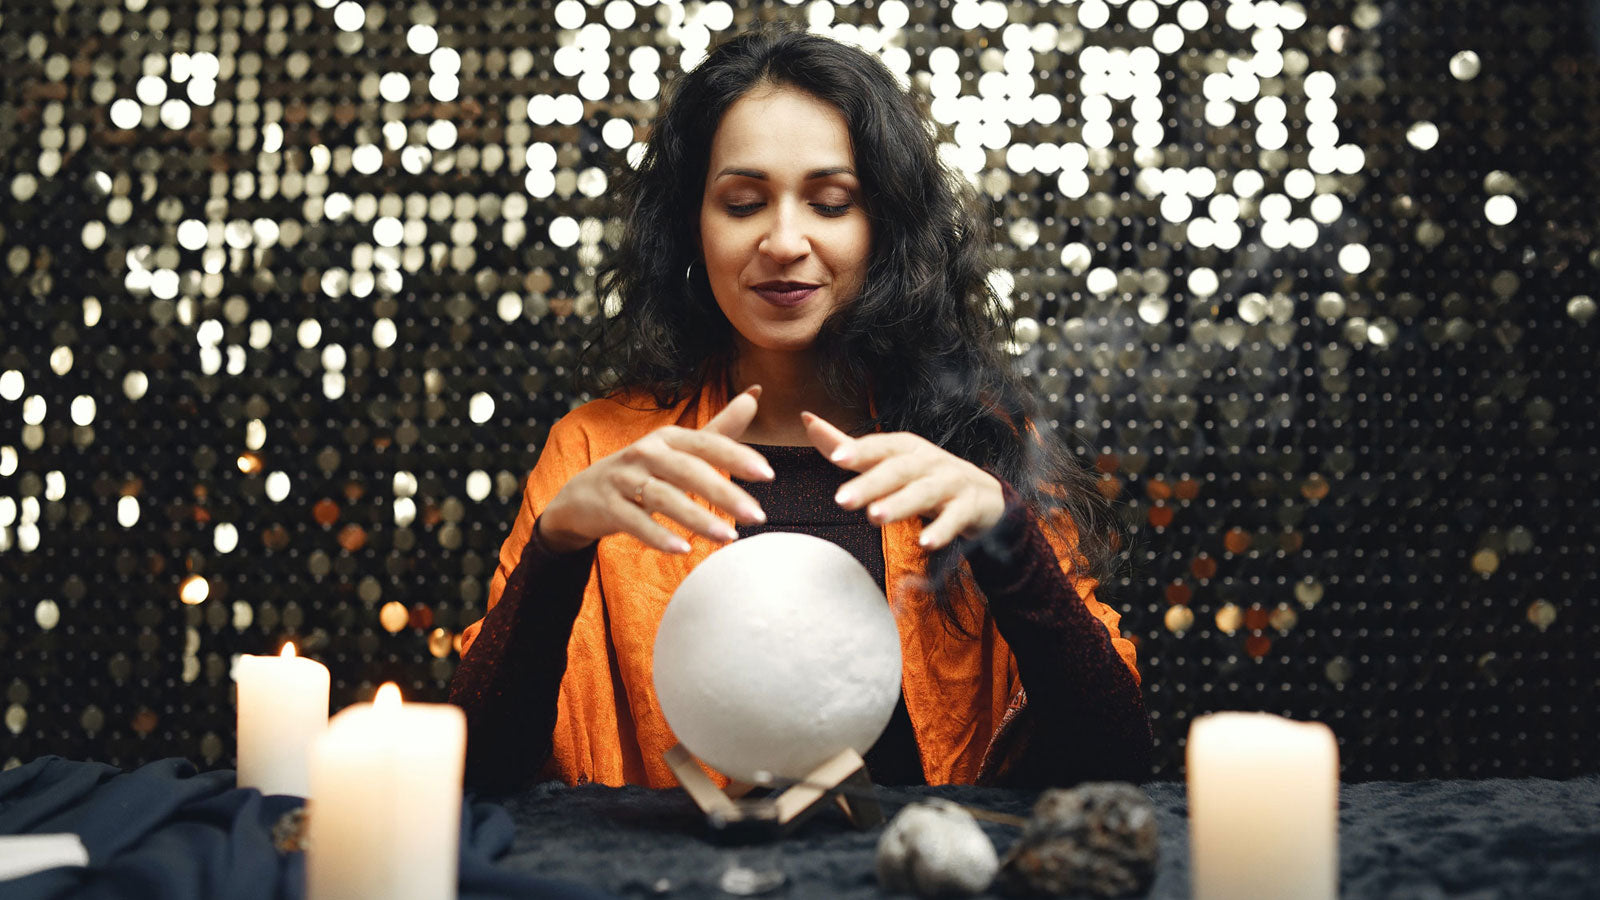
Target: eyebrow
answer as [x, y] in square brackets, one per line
[810, 176]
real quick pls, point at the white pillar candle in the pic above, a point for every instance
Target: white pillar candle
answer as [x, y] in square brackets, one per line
[283, 706]
[1263, 808]
[385, 804]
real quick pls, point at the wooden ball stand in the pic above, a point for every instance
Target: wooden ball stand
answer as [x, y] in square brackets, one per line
[843, 779]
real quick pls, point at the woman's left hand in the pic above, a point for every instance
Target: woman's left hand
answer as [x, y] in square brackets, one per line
[903, 475]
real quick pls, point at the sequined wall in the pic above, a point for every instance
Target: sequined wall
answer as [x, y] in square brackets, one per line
[292, 293]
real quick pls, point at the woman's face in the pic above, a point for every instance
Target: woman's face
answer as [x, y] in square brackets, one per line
[784, 236]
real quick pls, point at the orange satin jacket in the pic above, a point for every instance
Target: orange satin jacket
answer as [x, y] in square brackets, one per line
[609, 728]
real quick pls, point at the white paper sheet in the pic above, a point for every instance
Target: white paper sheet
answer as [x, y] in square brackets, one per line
[25, 854]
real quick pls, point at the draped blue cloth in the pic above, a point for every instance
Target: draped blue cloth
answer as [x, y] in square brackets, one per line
[167, 832]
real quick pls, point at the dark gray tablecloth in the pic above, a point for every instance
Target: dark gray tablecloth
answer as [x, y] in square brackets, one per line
[1522, 839]
[165, 832]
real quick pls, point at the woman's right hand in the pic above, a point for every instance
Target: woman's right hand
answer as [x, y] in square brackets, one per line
[655, 475]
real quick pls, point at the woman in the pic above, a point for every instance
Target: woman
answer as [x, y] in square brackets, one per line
[793, 243]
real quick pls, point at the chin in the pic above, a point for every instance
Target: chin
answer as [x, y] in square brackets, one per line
[781, 340]
[797, 345]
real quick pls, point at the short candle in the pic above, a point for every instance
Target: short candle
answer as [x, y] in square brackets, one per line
[385, 803]
[1263, 808]
[282, 708]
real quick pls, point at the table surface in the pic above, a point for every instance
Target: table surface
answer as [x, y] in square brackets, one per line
[1511, 838]
[166, 832]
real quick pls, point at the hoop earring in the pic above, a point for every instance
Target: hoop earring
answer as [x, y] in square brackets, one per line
[688, 278]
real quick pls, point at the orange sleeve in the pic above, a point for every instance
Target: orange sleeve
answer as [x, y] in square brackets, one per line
[1062, 533]
[1113, 622]
[1063, 538]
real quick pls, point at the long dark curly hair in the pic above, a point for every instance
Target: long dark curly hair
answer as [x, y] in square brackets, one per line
[926, 332]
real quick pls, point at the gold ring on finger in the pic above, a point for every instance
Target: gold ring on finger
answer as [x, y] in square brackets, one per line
[638, 492]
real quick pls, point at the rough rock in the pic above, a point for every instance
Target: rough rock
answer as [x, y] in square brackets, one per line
[936, 849]
[289, 832]
[1095, 840]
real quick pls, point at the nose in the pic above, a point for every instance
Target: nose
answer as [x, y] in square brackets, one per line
[785, 241]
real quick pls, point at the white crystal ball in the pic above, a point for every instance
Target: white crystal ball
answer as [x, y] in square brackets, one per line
[775, 653]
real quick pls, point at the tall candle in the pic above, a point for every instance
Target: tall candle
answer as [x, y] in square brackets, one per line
[385, 804]
[1263, 808]
[283, 706]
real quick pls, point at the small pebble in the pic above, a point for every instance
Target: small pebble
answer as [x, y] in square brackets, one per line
[289, 832]
[936, 849]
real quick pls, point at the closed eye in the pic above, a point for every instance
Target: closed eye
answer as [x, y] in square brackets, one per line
[740, 210]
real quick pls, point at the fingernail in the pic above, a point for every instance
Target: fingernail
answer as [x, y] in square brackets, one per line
[753, 390]
[807, 418]
[874, 513]
[726, 533]
[679, 545]
[924, 541]
[844, 497]
[752, 511]
[766, 472]
[839, 455]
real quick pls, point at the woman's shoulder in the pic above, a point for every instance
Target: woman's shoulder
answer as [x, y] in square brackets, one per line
[617, 419]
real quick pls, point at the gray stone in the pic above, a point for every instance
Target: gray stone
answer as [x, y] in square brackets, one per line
[1094, 840]
[936, 849]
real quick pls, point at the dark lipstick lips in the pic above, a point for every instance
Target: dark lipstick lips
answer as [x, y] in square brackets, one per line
[785, 293]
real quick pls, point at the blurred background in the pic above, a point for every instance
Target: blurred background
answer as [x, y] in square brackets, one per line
[292, 292]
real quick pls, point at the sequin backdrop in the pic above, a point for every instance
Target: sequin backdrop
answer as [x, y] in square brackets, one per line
[292, 292]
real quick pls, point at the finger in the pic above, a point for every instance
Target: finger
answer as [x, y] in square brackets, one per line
[664, 499]
[721, 451]
[879, 481]
[862, 453]
[920, 497]
[737, 415]
[856, 454]
[693, 475]
[659, 458]
[637, 522]
[943, 529]
[824, 436]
